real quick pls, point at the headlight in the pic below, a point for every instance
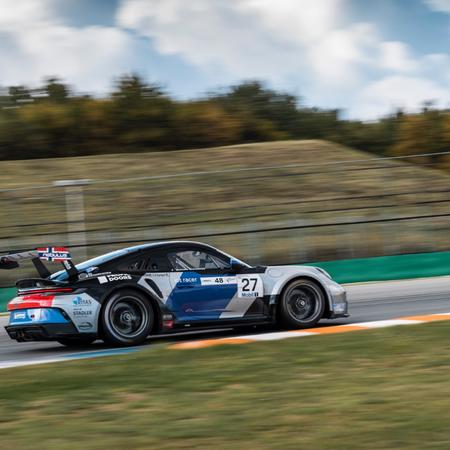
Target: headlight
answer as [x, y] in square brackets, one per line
[324, 272]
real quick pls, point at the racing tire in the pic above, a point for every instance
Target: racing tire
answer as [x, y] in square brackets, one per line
[127, 318]
[76, 342]
[302, 304]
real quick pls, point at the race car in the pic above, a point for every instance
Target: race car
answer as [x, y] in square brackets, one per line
[124, 296]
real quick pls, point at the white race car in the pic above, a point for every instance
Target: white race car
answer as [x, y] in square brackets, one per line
[124, 296]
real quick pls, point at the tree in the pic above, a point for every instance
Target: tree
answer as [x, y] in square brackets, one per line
[263, 113]
[141, 115]
[56, 91]
[204, 124]
[422, 133]
[19, 94]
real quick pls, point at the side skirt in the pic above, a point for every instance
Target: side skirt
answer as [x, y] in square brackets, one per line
[218, 324]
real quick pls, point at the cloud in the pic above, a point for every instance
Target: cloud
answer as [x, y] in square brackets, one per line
[250, 38]
[299, 21]
[254, 38]
[394, 92]
[206, 34]
[396, 56]
[439, 5]
[35, 43]
[408, 88]
[309, 45]
[275, 40]
[22, 14]
[263, 38]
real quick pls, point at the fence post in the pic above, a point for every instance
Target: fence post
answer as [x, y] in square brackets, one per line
[75, 216]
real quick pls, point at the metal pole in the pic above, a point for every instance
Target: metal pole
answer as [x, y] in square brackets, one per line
[75, 216]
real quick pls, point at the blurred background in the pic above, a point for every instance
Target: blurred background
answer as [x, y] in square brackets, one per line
[285, 133]
[282, 132]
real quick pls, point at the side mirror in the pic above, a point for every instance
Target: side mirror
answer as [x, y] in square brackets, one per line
[236, 266]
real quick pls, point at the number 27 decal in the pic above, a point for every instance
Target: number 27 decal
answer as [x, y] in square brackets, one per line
[249, 284]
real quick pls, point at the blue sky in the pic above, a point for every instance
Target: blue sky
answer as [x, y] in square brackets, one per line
[366, 57]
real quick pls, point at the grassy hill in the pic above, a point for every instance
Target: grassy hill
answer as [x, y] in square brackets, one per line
[103, 167]
[308, 195]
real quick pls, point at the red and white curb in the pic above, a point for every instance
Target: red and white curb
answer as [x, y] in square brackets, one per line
[247, 339]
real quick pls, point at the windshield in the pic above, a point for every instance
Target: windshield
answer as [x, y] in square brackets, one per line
[94, 262]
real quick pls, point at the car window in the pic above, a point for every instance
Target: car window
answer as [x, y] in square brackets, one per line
[153, 262]
[157, 263]
[195, 259]
[133, 264]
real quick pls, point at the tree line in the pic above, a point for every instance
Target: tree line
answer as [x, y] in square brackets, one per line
[136, 116]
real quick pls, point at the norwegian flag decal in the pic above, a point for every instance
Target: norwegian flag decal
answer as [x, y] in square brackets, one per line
[54, 254]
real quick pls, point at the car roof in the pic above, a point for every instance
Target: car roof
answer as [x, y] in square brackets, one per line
[108, 258]
[164, 243]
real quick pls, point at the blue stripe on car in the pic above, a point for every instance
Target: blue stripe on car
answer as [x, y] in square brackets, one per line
[190, 300]
[36, 316]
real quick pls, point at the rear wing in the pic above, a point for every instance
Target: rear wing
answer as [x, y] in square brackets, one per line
[12, 260]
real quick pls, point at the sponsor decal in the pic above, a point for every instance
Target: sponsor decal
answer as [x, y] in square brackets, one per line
[82, 312]
[79, 301]
[56, 254]
[189, 280]
[218, 281]
[115, 277]
[119, 277]
[83, 275]
[20, 315]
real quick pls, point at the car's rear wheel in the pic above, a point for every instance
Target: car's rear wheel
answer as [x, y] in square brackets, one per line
[76, 341]
[127, 318]
[302, 304]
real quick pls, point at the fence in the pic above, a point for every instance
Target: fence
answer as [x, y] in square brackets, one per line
[272, 214]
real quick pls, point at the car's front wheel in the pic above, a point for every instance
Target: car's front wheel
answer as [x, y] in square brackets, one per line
[127, 318]
[302, 304]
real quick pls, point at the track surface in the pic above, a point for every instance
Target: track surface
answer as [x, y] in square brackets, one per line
[367, 302]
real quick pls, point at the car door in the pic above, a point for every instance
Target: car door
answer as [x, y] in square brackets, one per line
[205, 289]
[154, 271]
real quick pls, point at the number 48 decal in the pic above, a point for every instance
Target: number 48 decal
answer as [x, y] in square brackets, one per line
[250, 286]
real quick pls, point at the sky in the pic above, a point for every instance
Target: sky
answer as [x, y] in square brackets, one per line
[366, 57]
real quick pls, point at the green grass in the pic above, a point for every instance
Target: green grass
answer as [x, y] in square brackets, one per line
[384, 389]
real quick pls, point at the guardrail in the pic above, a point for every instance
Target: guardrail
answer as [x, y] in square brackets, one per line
[383, 268]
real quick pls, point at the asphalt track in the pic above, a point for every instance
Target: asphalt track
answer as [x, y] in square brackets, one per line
[367, 302]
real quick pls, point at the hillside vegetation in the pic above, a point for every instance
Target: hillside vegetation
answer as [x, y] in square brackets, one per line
[54, 121]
